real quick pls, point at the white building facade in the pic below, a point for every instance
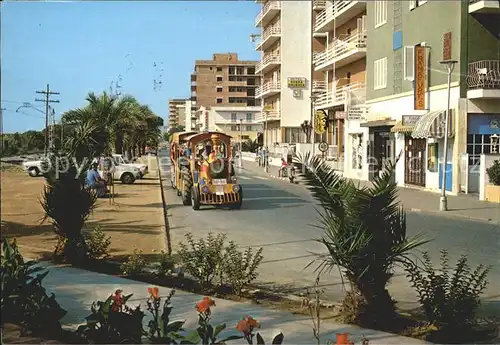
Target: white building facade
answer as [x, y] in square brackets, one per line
[190, 120]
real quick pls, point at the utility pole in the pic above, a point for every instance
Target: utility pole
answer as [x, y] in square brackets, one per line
[47, 93]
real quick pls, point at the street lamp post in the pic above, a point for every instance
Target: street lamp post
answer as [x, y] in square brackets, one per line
[443, 201]
[266, 152]
[241, 143]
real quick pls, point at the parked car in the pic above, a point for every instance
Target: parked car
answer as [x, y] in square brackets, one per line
[34, 167]
[125, 173]
[120, 160]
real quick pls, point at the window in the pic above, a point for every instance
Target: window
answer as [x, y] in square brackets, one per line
[380, 74]
[249, 117]
[234, 78]
[220, 88]
[245, 137]
[219, 78]
[234, 128]
[432, 157]
[416, 3]
[219, 69]
[292, 135]
[409, 63]
[219, 99]
[233, 117]
[236, 89]
[477, 144]
[237, 100]
[380, 13]
[248, 128]
[251, 70]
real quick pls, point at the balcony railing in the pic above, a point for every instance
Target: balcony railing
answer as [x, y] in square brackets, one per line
[268, 87]
[270, 5]
[331, 11]
[484, 74]
[319, 4]
[338, 96]
[319, 86]
[271, 115]
[271, 31]
[338, 48]
[268, 59]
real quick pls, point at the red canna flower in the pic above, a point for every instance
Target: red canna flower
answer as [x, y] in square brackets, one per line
[154, 293]
[247, 325]
[118, 301]
[204, 305]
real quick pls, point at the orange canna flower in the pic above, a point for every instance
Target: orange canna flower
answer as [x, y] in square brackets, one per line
[247, 325]
[205, 304]
[154, 293]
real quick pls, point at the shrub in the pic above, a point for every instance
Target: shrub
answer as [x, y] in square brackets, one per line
[240, 268]
[494, 173]
[135, 264]
[24, 300]
[113, 322]
[203, 259]
[449, 298]
[166, 264]
[97, 243]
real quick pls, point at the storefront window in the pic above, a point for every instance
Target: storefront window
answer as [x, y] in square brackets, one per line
[432, 157]
[357, 151]
[476, 145]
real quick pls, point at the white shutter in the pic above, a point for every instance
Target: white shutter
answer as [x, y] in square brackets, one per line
[413, 4]
[409, 63]
[384, 73]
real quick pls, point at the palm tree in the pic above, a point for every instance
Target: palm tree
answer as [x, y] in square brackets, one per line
[364, 237]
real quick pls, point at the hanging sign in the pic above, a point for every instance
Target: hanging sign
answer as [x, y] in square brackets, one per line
[320, 121]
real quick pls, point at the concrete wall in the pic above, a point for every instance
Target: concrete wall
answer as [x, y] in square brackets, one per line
[296, 45]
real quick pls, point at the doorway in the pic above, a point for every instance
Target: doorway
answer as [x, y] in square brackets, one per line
[415, 161]
[381, 148]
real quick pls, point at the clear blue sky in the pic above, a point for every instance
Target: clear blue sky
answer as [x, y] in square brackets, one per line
[79, 47]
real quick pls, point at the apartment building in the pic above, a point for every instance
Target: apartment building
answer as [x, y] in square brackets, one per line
[339, 78]
[285, 43]
[224, 81]
[176, 112]
[408, 45]
[239, 122]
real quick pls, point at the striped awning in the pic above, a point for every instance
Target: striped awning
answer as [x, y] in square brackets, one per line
[431, 125]
[400, 128]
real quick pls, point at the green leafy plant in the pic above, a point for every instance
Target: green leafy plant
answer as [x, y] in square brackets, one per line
[68, 205]
[166, 264]
[160, 329]
[25, 301]
[449, 298]
[97, 243]
[364, 236]
[135, 264]
[494, 173]
[203, 258]
[240, 268]
[113, 322]
[206, 333]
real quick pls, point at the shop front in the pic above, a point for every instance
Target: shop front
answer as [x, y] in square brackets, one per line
[483, 133]
[380, 146]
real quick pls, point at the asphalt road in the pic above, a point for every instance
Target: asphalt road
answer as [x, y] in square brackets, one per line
[279, 217]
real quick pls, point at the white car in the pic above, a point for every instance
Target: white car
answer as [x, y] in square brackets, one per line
[126, 174]
[120, 160]
[34, 168]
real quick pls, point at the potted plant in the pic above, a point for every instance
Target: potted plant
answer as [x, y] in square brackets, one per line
[492, 190]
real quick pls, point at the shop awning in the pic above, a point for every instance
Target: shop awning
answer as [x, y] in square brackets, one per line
[400, 128]
[431, 125]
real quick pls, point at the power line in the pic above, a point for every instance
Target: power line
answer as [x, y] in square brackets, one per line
[47, 101]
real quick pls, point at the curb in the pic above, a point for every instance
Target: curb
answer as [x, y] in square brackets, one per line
[168, 240]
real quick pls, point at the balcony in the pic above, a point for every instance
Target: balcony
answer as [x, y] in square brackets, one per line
[345, 94]
[484, 6]
[319, 5]
[268, 63]
[319, 86]
[224, 121]
[483, 79]
[341, 52]
[337, 14]
[272, 115]
[268, 12]
[270, 36]
[268, 89]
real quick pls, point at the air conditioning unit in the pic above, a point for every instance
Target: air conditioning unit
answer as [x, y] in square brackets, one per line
[297, 93]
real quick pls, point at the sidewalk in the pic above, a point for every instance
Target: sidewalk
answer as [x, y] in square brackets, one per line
[415, 200]
[76, 289]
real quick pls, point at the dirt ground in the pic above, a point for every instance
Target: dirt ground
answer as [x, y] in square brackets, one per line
[134, 220]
